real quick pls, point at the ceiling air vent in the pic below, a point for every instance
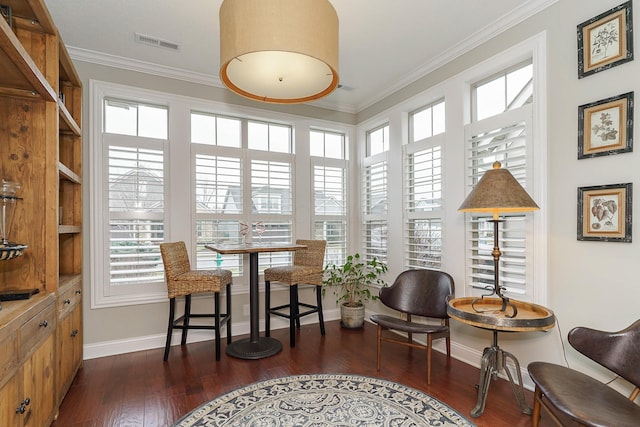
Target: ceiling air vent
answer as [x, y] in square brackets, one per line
[155, 41]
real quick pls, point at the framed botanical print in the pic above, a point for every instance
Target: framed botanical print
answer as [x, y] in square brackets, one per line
[604, 213]
[606, 126]
[605, 41]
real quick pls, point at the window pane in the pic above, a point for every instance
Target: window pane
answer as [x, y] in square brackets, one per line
[438, 118]
[334, 146]
[378, 141]
[329, 188]
[152, 122]
[120, 117]
[229, 132]
[490, 98]
[279, 139]
[424, 243]
[335, 233]
[271, 187]
[258, 136]
[203, 129]
[136, 180]
[519, 86]
[421, 124]
[218, 184]
[375, 234]
[136, 215]
[316, 143]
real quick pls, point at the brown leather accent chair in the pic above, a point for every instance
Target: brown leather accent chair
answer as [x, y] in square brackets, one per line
[422, 293]
[583, 398]
[182, 281]
[307, 269]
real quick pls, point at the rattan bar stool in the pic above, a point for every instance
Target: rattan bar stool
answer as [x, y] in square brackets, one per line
[182, 281]
[306, 270]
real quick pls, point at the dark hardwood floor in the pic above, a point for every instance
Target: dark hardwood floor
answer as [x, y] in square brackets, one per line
[139, 389]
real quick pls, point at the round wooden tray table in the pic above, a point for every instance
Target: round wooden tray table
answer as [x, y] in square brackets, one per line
[486, 313]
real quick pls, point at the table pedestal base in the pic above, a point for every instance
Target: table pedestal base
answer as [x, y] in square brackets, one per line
[493, 361]
[248, 349]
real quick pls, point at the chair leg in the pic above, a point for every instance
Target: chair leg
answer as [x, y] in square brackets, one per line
[535, 416]
[216, 307]
[228, 313]
[447, 340]
[172, 312]
[293, 314]
[267, 308]
[185, 323]
[320, 315]
[429, 345]
[379, 348]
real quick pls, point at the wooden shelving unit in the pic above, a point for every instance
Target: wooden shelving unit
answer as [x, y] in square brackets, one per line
[40, 148]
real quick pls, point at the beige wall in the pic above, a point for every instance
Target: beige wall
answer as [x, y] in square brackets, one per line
[590, 283]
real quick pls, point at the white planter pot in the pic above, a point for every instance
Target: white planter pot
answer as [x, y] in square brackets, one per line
[352, 317]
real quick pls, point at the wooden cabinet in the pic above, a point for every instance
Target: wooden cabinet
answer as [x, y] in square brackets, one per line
[26, 388]
[41, 149]
[69, 351]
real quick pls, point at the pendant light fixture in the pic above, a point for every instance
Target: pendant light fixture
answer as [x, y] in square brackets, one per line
[279, 51]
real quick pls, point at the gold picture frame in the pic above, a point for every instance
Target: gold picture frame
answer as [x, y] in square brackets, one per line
[606, 126]
[605, 41]
[604, 213]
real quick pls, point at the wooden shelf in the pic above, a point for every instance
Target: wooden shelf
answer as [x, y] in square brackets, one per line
[19, 75]
[67, 174]
[69, 229]
[67, 123]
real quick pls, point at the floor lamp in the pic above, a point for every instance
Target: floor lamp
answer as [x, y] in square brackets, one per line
[498, 192]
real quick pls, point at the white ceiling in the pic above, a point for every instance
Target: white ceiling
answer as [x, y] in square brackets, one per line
[384, 44]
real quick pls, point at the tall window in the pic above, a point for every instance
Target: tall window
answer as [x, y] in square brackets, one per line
[241, 179]
[133, 147]
[501, 132]
[216, 143]
[423, 188]
[329, 192]
[374, 193]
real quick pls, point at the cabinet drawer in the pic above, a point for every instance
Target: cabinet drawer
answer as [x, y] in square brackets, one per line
[69, 298]
[37, 329]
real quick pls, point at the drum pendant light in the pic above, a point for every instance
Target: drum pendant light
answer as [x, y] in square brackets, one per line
[279, 51]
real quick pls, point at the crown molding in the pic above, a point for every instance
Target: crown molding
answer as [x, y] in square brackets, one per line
[109, 60]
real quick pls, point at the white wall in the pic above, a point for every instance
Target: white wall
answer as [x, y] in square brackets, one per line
[589, 283]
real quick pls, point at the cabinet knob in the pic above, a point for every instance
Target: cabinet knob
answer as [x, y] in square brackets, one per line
[67, 301]
[23, 406]
[74, 333]
[78, 292]
[43, 324]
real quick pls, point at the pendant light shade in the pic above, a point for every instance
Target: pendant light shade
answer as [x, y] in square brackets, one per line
[279, 51]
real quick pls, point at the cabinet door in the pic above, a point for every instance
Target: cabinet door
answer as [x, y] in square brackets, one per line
[39, 385]
[69, 354]
[9, 401]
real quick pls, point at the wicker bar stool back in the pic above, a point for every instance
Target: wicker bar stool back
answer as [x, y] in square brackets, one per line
[306, 270]
[183, 281]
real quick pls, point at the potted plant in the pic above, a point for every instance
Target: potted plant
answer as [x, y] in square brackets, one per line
[350, 283]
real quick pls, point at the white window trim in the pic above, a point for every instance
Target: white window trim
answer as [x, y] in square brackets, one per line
[103, 295]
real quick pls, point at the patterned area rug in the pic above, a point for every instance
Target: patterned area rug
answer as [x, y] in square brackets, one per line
[324, 400]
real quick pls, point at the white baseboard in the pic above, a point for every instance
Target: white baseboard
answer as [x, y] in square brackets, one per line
[129, 345]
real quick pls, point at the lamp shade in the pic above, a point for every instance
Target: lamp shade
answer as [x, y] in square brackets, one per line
[498, 191]
[279, 51]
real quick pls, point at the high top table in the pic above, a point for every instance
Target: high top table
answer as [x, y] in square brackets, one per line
[254, 347]
[485, 313]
